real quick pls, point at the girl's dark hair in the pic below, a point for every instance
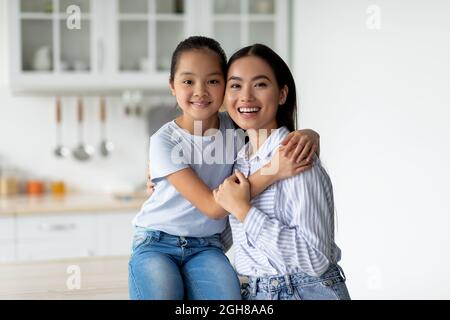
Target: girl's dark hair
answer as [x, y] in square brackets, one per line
[286, 114]
[198, 43]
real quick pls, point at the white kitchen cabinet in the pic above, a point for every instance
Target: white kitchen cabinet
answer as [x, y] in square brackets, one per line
[127, 43]
[7, 237]
[7, 229]
[59, 236]
[7, 252]
[115, 233]
[44, 237]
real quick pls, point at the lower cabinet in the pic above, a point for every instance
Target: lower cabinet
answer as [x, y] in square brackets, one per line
[7, 251]
[48, 237]
[7, 238]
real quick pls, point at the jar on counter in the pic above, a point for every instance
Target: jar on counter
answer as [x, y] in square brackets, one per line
[9, 182]
[35, 187]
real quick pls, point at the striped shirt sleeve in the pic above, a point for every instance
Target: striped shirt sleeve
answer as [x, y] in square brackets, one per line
[307, 235]
[226, 237]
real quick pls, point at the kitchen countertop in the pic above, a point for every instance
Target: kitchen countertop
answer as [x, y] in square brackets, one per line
[24, 205]
[101, 278]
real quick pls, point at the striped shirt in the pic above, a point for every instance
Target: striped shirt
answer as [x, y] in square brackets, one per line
[290, 226]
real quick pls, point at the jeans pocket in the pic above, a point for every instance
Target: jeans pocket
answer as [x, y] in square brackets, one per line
[139, 239]
[341, 290]
[215, 242]
[321, 290]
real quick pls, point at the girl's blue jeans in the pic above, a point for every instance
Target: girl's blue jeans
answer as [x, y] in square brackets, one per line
[167, 267]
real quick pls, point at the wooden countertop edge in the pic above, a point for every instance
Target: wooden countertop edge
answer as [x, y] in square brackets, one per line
[69, 205]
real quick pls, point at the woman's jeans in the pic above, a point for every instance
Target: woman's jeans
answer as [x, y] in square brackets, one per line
[299, 286]
[167, 267]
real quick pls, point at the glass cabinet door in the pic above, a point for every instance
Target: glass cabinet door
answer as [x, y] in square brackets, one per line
[148, 32]
[238, 23]
[50, 43]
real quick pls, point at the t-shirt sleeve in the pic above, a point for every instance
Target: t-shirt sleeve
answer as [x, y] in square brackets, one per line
[165, 156]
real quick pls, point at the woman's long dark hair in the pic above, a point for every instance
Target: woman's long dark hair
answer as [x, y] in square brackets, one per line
[286, 113]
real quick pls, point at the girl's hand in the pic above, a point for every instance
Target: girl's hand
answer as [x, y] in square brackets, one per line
[234, 195]
[301, 145]
[282, 167]
[150, 186]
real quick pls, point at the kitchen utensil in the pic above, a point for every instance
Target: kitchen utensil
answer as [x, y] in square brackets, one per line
[82, 152]
[126, 97]
[137, 103]
[106, 147]
[60, 150]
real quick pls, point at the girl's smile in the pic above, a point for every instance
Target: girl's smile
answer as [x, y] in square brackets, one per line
[199, 87]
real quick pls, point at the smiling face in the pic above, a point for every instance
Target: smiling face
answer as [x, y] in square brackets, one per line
[198, 84]
[252, 95]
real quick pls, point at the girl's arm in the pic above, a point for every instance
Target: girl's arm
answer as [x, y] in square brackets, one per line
[193, 189]
[302, 145]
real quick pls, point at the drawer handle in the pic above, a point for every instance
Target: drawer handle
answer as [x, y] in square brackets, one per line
[57, 227]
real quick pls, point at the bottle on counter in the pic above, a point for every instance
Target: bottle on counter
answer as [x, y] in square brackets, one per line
[58, 188]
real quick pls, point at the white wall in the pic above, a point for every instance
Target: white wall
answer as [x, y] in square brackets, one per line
[28, 137]
[381, 101]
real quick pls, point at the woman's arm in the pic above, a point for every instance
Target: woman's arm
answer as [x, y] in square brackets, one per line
[310, 231]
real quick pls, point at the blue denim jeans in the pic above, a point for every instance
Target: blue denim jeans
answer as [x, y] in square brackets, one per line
[299, 286]
[167, 267]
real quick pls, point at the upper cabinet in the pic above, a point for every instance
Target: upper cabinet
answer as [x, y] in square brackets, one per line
[104, 45]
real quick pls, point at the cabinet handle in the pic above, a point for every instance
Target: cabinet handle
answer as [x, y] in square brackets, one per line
[57, 227]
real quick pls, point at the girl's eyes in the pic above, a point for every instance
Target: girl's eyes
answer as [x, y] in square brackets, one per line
[190, 82]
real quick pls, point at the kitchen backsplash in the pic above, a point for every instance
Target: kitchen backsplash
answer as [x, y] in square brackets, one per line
[28, 140]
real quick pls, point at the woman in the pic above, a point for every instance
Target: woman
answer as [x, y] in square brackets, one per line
[284, 237]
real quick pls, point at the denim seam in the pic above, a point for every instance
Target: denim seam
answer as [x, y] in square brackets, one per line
[138, 292]
[193, 284]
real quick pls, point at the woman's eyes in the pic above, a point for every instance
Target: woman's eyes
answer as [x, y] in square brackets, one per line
[257, 85]
[189, 82]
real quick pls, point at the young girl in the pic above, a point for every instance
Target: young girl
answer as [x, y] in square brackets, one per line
[180, 237]
[284, 237]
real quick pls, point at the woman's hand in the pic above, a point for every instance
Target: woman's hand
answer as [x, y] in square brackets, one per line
[301, 145]
[234, 195]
